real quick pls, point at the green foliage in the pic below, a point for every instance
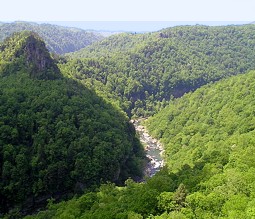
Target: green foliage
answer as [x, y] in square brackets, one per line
[26, 50]
[165, 201]
[209, 143]
[58, 39]
[143, 71]
[134, 201]
[79, 140]
[56, 136]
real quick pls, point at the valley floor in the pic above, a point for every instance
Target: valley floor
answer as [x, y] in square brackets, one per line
[154, 149]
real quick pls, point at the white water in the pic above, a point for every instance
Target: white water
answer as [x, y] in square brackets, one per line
[152, 147]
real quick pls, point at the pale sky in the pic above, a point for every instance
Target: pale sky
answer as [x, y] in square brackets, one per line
[128, 10]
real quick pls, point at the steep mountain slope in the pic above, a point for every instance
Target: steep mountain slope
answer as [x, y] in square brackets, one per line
[27, 51]
[58, 39]
[210, 144]
[144, 70]
[56, 136]
[209, 136]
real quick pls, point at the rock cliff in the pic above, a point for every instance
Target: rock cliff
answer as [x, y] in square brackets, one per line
[26, 51]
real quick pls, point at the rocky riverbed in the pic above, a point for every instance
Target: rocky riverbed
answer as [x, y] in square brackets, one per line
[154, 149]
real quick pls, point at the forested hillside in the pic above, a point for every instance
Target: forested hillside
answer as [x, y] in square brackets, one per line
[57, 137]
[210, 165]
[209, 135]
[58, 39]
[143, 71]
[62, 130]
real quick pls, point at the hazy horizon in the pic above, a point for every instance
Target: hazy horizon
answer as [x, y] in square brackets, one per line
[132, 26]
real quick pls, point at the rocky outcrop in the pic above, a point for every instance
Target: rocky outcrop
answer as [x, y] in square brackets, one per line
[27, 50]
[38, 60]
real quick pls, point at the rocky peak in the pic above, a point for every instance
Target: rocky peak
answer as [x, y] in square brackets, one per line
[26, 49]
[38, 59]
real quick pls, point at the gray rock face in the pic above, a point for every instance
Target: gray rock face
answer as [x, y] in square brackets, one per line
[38, 59]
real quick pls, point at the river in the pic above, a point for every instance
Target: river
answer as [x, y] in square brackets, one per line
[153, 148]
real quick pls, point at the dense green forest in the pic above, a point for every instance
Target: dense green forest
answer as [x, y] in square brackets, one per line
[66, 139]
[209, 144]
[58, 39]
[57, 137]
[143, 71]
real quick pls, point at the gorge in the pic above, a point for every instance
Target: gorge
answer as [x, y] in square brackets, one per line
[154, 149]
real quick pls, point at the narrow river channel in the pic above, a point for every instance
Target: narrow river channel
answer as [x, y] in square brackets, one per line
[152, 147]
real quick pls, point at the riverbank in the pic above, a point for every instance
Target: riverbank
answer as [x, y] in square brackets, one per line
[154, 149]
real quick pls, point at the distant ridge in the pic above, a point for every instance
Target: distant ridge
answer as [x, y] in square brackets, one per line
[58, 39]
[172, 61]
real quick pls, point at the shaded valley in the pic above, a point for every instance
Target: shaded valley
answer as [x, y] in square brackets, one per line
[68, 141]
